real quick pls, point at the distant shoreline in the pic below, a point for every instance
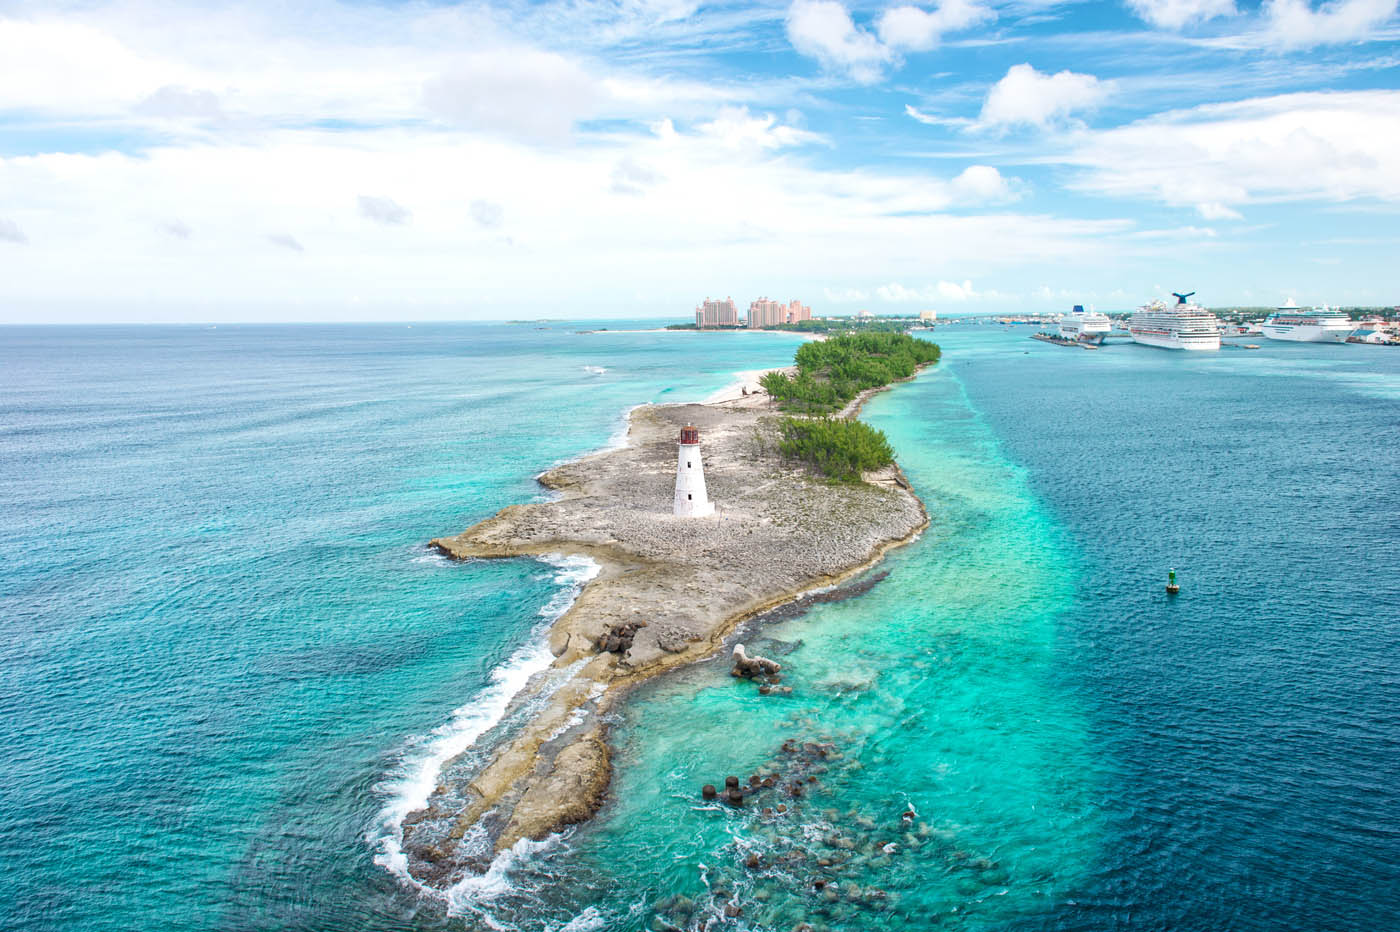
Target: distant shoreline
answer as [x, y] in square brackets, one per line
[796, 333]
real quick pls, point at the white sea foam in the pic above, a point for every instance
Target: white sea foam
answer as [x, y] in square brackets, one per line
[579, 714]
[587, 921]
[596, 370]
[475, 890]
[618, 440]
[424, 756]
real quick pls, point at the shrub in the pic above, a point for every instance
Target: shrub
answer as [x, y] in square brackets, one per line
[832, 372]
[838, 448]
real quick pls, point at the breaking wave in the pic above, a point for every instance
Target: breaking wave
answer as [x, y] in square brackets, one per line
[423, 757]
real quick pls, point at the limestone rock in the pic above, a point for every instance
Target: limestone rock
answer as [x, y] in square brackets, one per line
[750, 667]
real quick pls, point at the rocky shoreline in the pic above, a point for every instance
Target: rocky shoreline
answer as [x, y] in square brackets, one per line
[668, 592]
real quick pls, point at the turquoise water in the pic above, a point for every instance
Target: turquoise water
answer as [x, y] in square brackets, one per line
[225, 657]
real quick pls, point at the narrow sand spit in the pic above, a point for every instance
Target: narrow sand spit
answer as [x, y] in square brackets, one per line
[778, 532]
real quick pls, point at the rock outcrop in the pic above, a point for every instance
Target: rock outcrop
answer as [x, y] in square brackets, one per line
[750, 667]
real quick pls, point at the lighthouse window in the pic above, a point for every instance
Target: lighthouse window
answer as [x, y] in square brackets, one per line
[687, 464]
[688, 497]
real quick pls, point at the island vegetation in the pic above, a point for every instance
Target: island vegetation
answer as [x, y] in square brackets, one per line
[840, 449]
[832, 372]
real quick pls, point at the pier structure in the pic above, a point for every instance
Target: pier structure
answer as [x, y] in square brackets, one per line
[691, 498]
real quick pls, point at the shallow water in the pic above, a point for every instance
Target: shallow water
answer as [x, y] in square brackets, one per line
[225, 657]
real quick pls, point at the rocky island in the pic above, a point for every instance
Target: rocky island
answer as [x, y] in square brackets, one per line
[668, 592]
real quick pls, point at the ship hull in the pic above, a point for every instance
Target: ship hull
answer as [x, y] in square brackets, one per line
[1083, 334]
[1306, 334]
[1176, 341]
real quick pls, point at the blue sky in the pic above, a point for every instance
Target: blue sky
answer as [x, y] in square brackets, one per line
[353, 160]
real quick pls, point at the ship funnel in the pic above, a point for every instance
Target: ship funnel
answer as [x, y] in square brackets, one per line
[1181, 298]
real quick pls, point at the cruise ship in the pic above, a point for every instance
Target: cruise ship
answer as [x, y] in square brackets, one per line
[1291, 322]
[1179, 326]
[1085, 326]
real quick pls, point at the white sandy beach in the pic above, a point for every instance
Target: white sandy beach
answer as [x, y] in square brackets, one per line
[748, 379]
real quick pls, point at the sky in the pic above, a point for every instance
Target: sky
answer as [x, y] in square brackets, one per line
[328, 160]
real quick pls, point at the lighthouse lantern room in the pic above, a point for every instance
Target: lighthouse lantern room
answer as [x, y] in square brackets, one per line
[691, 500]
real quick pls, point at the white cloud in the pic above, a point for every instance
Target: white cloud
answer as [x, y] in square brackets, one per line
[1294, 23]
[1175, 14]
[952, 291]
[253, 67]
[823, 29]
[10, 232]
[629, 177]
[70, 67]
[179, 64]
[171, 102]
[1213, 210]
[916, 29]
[736, 128]
[1330, 147]
[1026, 97]
[286, 242]
[488, 214]
[928, 119]
[894, 291]
[942, 291]
[317, 116]
[528, 94]
[844, 295]
[383, 210]
[982, 184]
[764, 217]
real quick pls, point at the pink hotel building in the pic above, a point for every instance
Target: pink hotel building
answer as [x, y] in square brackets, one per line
[717, 314]
[762, 313]
[766, 313]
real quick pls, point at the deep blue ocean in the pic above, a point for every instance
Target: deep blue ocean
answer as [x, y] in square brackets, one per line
[227, 659]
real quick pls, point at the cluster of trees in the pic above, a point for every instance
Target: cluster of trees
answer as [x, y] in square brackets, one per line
[839, 449]
[832, 372]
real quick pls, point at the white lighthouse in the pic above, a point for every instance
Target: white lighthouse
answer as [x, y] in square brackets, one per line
[691, 500]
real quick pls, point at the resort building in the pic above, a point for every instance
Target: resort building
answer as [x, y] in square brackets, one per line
[765, 313]
[768, 313]
[717, 314]
[928, 317]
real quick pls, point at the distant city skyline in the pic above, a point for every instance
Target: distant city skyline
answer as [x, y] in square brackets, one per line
[192, 162]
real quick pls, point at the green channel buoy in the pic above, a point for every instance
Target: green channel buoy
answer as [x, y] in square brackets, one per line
[1172, 587]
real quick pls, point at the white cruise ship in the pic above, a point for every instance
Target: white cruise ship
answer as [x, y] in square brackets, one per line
[1179, 326]
[1291, 322]
[1085, 326]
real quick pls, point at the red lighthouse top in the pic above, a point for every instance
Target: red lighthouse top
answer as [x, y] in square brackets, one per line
[690, 435]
